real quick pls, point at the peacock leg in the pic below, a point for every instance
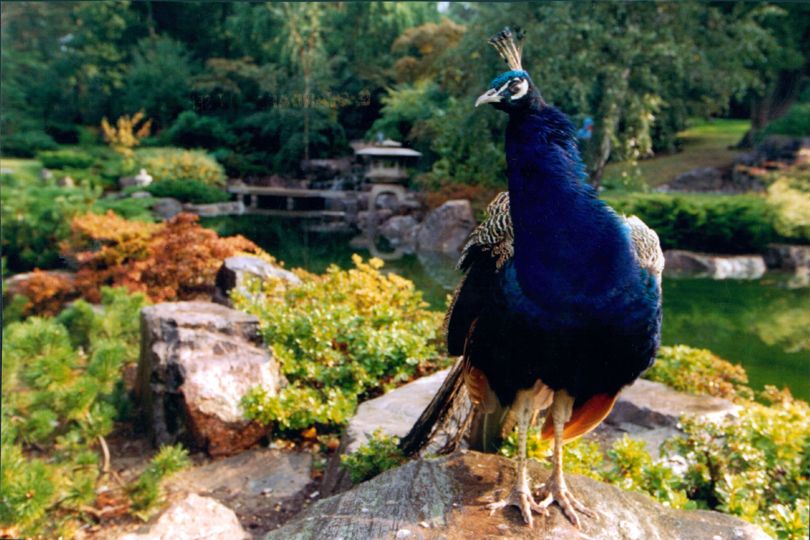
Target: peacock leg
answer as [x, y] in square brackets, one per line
[555, 489]
[521, 495]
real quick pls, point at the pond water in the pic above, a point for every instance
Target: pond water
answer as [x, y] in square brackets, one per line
[762, 324]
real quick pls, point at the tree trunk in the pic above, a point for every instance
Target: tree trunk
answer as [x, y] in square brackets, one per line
[778, 98]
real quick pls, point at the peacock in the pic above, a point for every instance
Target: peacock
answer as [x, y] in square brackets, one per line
[560, 304]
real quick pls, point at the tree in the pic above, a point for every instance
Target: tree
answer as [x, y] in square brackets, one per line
[159, 79]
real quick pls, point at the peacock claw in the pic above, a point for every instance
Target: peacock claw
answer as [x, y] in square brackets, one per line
[555, 490]
[523, 500]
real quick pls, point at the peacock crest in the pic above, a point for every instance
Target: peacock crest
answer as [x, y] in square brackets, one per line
[509, 45]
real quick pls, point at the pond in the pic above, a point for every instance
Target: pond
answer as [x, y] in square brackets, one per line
[763, 324]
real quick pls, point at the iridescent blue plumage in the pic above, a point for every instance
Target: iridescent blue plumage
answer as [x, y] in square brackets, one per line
[560, 306]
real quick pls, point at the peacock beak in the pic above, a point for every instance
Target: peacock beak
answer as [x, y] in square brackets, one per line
[490, 96]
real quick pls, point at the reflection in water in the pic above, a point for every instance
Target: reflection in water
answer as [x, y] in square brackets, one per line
[762, 324]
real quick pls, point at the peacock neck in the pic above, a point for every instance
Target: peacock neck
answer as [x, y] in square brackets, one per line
[568, 244]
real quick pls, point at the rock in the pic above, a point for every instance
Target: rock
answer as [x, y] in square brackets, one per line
[44, 174]
[166, 208]
[140, 195]
[787, 256]
[197, 361]
[194, 518]
[234, 273]
[449, 495]
[394, 413]
[446, 228]
[400, 231]
[142, 179]
[701, 179]
[216, 209]
[249, 482]
[779, 148]
[689, 263]
[66, 181]
[651, 404]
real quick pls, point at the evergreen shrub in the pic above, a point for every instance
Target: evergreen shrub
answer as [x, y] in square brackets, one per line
[26, 144]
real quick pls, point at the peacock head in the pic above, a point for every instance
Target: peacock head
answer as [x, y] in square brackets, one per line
[512, 90]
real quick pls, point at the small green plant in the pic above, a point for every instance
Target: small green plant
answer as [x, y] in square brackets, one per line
[380, 453]
[145, 493]
[339, 337]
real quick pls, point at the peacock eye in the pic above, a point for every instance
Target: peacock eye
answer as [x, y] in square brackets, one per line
[514, 87]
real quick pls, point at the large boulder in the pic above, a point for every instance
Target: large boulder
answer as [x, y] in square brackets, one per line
[400, 231]
[236, 271]
[446, 228]
[193, 518]
[447, 497]
[681, 263]
[198, 359]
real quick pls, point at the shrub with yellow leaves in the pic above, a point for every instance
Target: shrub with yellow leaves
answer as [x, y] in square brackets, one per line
[341, 337]
[126, 134]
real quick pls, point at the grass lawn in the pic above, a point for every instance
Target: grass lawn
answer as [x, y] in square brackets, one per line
[705, 144]
[24, 169]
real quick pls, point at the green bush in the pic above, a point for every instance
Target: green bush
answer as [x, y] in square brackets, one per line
[61, 392]
[26, 144]
[339, 337]
[711, 223]
[380, 453]
[66, 159]
[699, 371]
[129, 208]
[789, 195]
[193, 131]
[189, 191]
[176, 164]
[36, 219]
[795, 123]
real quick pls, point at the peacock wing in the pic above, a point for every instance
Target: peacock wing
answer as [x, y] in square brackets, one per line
[647, 246]
[487, 249]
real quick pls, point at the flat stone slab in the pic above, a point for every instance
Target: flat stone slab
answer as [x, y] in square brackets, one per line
[447, 497]
[651, 404]
[680, 263]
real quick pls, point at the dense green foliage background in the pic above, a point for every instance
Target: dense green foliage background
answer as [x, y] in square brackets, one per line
[264, 85]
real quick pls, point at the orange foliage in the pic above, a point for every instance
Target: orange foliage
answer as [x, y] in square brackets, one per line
[47, 292]
[175, 260]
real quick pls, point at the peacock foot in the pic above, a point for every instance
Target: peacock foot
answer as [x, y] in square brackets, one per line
[523, 500]
[555, 490]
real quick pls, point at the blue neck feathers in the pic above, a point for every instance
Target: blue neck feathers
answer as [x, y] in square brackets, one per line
[570, 248]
